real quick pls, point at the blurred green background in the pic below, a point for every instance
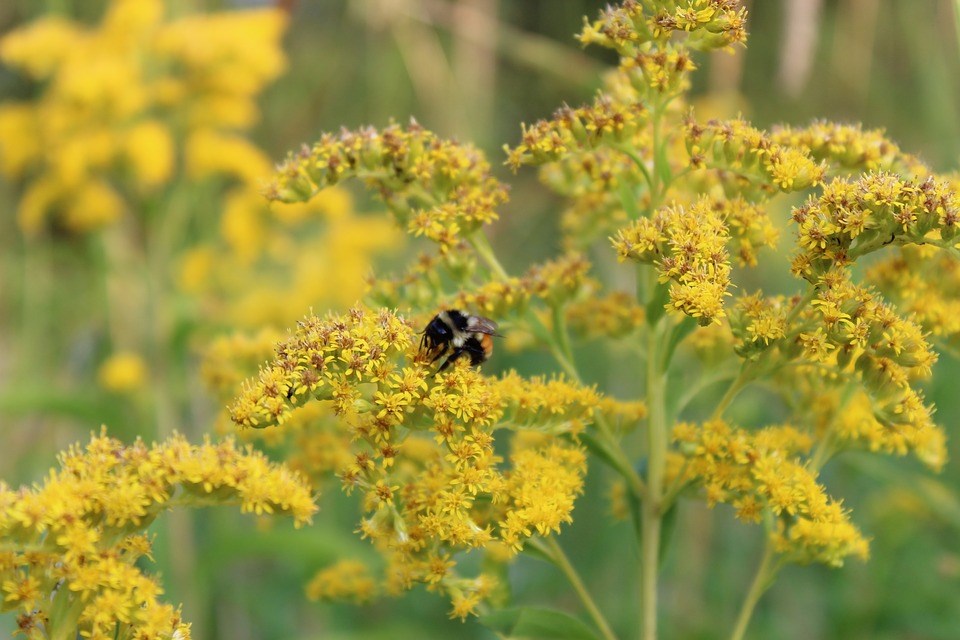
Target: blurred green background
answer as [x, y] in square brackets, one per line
[475, 69]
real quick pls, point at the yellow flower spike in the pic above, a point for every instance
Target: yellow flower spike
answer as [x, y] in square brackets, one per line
[435, 188]
[758, 471]
[80, 531]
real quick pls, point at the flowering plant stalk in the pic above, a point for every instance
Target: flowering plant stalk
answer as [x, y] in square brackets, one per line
[692, 205]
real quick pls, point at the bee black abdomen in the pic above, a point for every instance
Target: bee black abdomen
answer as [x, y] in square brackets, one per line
[475, 350]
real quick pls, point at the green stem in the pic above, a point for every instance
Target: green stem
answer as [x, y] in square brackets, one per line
[761, 582]
[478, 240]
[559, 343]
[560, 332]
[694, 390]
[747, 372]
[652, 508]
[638, 161]
[560, 559]
[956, 18]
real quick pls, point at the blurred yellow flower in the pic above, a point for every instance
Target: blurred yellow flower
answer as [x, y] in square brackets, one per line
[121, 98]
[123, 372]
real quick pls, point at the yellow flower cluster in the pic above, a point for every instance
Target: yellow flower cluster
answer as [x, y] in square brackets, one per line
[610, 315]
[423, 453]
[853, 218]
[751, 227]
[605, 122]
[760, 475]
[118, 96]
[857, 425]
[347, 580]
[748, 159]
[69, 547]
[925, 286]
[850, 329]
[555, 282]
[541, 487]
[849, 148]
[757, 322]
[688, 246]
[435, 188]
[706, 24]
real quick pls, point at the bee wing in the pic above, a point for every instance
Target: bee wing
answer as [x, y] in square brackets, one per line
[477, 324]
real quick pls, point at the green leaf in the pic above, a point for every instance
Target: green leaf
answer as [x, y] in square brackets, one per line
[535, 623]
[534, 549]
[667, 527]
[656, 307]
[677, 334]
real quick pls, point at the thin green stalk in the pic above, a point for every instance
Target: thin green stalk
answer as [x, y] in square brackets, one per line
[559, 343]
[560, 331]
[651, 516]
[761, 582]
[478, 240]
[652, 511]
[639, 163]
[560, 559]
[742, 380]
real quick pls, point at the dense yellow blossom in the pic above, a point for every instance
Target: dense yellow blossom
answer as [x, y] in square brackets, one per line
[849, 148]
[853, 218]
[925, 283]
[748, 159]
[570, 130]
[688, 246]
[71, 544]
[705, 24]
[759, 473]
[121, 97]
[422, 454]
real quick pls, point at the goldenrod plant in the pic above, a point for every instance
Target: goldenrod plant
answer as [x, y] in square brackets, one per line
[671, 223]
[686, 202]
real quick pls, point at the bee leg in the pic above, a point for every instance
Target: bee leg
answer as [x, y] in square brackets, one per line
[457, 352]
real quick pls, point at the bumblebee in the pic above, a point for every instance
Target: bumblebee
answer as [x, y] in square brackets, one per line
[455, 334]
